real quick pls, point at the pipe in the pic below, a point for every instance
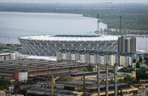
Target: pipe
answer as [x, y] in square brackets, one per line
[115, 77]
[98, 79]
[106, 79]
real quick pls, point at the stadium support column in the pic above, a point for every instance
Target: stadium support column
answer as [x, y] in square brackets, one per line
[98, 79]
[115, 77]
[107, 79]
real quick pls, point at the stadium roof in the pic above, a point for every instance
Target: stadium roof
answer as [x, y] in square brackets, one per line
[71, 37]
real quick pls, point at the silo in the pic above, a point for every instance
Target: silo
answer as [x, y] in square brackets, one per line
[122, 60]
[92, 57]
[134, 56]
[123, 44]
[98, 57]
[107, 58]
[119, 44]
[68, 54]
[130, 59]
[102, 58]
[73, 55]
[127, 59]
[58, 55]
[87, 55]
[64, 56]
[77, 55]
[82, 56]
[112, 58]
[133, 44]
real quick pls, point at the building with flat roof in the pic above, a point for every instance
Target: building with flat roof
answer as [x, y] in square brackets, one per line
[8, 56]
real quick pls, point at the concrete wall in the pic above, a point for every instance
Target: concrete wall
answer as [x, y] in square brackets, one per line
[8, 56]
[23, 76]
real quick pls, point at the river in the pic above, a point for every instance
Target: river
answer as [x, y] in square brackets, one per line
[15, 24]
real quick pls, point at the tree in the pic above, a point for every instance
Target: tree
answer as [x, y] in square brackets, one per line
[137, 65]
[84, 69]
[111, 80]
[90, 67]
[127, 79]
[126, 69]
[120, 80]
[141, 74]
[24, 91]
[3, 83]
[111, 70]
[140, 59]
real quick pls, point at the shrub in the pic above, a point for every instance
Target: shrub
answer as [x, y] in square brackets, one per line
[63, 79]
[3, 83]
[84, 69]
[140, 59]
[137, 65]
[90, 67]
[111, 70]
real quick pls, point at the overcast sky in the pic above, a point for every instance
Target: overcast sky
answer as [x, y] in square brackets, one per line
[75, 1]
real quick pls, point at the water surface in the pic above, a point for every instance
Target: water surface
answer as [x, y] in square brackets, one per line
[15, 24]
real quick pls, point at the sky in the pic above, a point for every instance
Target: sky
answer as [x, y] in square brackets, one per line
[75, 1]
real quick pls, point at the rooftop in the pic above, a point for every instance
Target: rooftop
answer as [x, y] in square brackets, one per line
[71, 37]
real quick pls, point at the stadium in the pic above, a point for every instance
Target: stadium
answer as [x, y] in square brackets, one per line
[47, 45]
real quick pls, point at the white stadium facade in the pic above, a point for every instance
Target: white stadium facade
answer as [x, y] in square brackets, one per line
[47, 45]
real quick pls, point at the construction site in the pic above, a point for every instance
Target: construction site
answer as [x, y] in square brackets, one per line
[45, 76]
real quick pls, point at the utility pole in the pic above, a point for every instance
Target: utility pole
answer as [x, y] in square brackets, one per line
[115, 78]
[84, 84]
[98, 22]
[146, 47]
[107, 79]
[8, 40]
[5, 39]
[120, 23]
[98, 79]
[140, 45]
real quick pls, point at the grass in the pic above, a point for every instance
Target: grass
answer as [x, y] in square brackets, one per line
[6, 47]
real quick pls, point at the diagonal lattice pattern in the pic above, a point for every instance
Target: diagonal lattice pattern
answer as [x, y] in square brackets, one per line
[43, 47]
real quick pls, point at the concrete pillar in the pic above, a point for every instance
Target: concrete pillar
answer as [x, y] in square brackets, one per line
[115, 77]
[98, 79]
[107, 79]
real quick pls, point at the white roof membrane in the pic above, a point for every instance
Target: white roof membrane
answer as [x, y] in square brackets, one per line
[73, 38]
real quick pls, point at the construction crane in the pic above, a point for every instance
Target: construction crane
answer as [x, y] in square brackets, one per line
[52, 83]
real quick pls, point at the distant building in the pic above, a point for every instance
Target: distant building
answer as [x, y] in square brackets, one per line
[20, 76]
[8, 56]
[126, 44]
[97, 57]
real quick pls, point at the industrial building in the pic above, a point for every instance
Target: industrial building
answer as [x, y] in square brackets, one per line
[126, 44]
[20, 69]
[75, 88]
[97, 57]
[47, 45]
[8, 56]
[21, 75]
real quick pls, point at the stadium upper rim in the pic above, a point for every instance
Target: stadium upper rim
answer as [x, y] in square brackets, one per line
[71, 37]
